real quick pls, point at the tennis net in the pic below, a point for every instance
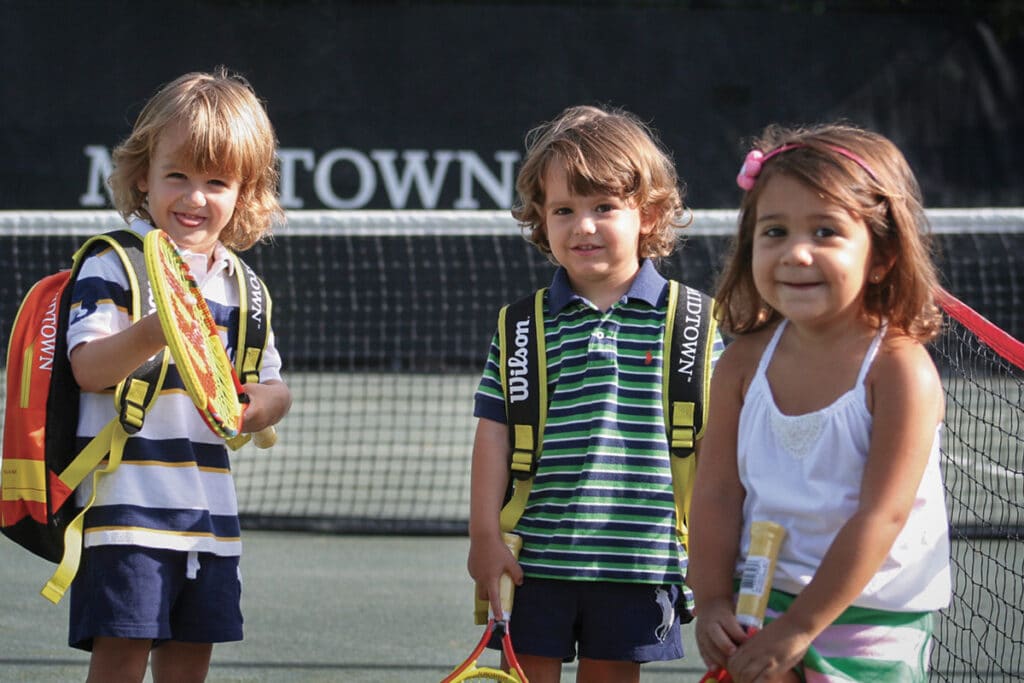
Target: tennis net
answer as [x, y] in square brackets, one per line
[384, 319]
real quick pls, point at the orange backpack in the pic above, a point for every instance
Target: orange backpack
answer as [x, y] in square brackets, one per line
[41, 464]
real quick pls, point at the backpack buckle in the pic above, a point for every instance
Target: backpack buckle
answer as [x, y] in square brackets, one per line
[681, 439]
[524, 462]
[133, 405]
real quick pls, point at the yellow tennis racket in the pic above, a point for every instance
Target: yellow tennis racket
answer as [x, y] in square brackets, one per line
[470, 669]
[191, 334]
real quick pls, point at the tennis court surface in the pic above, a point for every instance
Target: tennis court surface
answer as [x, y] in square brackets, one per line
[317, 607]
[321, 607]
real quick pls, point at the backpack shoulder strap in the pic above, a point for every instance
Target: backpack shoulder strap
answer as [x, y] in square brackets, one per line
[254, 307]
[136, 393]
[690, 331]
[524, 380]
[253, 322]
[689, 336]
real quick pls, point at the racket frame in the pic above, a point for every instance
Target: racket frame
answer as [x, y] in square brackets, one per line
[469, 669]
[163, 261]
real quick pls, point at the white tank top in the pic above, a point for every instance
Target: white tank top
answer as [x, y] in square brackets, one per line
[804, 472]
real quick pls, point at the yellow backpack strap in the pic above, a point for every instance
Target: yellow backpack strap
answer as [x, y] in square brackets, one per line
[111, 439]
[137, 392]
[524, 380]
[690, 331]
[253, 322]
[254, 307]
[133, 396]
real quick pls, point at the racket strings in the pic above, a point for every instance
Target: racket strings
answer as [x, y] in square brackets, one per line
[205, 370]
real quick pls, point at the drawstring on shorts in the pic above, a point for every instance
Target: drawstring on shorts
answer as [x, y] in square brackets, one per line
[192, 565]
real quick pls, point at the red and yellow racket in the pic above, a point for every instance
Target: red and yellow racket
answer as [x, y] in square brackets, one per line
[755, 584]
[192, 339]
[470, 670]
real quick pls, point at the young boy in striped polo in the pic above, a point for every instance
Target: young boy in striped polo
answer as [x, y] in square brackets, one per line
[602, 566]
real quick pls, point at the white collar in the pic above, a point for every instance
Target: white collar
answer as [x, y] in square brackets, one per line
[197, 263]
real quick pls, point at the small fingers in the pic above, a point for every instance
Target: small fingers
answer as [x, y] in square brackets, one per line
[515, 571]
[715, 646]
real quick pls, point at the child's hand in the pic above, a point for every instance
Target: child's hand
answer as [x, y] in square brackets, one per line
[489, 559]
[268, 403]
[105, 361]
[718, 634]
[769, 655]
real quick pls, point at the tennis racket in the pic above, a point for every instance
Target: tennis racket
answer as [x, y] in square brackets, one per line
[470, 670]
[191, 334]
[755, 584]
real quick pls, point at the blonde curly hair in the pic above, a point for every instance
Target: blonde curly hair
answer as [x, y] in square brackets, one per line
[603, 151]
[228, 131]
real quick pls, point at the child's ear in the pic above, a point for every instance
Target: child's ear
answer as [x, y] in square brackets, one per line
[647, 220]
[142, 184]
[880, 268]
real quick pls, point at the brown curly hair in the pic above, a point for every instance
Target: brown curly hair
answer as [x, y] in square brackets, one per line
[603, 151]
[229, 131]
[888, 200]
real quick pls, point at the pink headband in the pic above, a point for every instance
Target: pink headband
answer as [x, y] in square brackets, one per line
[755, 160]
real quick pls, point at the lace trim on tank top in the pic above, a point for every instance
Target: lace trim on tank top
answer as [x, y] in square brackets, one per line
[798, 433]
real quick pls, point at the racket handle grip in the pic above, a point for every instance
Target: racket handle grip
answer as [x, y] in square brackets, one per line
[506, 587]
[265, 438]
[765, 541]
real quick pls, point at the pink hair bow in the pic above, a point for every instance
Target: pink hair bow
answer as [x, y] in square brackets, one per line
[751, 169]
[755, 159]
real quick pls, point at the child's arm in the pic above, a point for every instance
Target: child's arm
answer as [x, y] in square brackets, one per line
[103, 362]
[489, 558]
[269, 402]
[716, 512]
[906, 401]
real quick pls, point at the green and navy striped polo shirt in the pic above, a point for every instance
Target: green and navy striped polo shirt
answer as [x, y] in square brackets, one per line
[601, 507]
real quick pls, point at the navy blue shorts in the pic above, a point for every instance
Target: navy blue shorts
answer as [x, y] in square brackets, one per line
[596, 620]
[124, 591]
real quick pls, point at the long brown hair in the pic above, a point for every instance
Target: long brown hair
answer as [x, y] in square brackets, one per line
[877, 186]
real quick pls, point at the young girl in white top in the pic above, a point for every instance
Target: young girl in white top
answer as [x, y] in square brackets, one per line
[825, 418]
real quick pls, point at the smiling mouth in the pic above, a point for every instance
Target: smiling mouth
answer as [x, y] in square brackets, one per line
[189, 219]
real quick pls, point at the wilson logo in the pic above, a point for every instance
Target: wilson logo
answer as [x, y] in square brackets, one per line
[519, 364]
